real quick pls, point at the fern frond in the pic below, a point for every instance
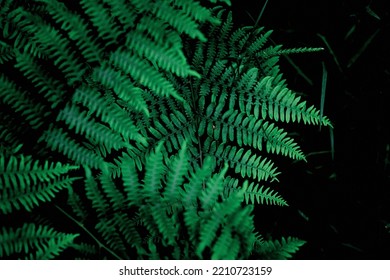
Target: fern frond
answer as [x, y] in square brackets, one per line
[173, 130]
[214, 188]
[29, 197]
[76, 28]
[84, 125]
[275, 101]
[277, 142]
[178, 168]
[192, 190]
[246, 163]
[130, 181]
[259, 43]
[178, 19]
[25, 182]
[58, 140]
[123, 12]
[159, 30]
[112, 114]
[77, 205]
[166, 57]
[116, 198]
[6, 52]
[128, 228]
[21, 102]
[142, 72]
[93, 193]
[224, 244]
[195, 10]
[221, 215]
[53, 247]
[261, 195]
[52, 90]
[102, 20]
[87, 250]
[45, 241]
[51, 43]
[166, 224]
[107, 228]
[278, 250]
[155, 171]
[122, 86]
[253, 192]
[278, 51]
[22, 171]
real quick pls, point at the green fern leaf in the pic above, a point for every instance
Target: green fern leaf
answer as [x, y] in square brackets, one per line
[46, 241]
[279, 250]
[58, 140]
[175, 176]
[155, 171]
[25, 182]
[261, 195]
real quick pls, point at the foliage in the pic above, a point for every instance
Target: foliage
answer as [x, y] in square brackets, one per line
[163, 158]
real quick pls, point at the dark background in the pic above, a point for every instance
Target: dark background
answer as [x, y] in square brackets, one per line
[340, 206]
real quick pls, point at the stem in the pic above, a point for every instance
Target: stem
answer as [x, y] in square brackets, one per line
[88, 232]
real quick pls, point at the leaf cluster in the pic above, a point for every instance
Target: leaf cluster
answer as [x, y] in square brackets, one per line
[159, 118]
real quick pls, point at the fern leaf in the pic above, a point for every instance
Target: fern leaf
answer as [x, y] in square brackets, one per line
[78, 207]
[93, 193]
[51, 43]
[214, 188]
[123, 12]
[84, 125]
[142, 72]
[167, 58]
[261, 195]
[279, 250]
[58, 140]
[46, 241]
[178, 19]
[216, 217]
[102, 20]
[178, 167]
[77, 30]
[85, 249]
[11, 95]
[111, 114]
[23, 182]
[53, 247]
[223, 245]
[117, 199]
[127, 228]
[108, 230]
[51, 88]
[154, 173]
[278, 142]
[122, 86]
[131, 183]
[247, 164]
[6, 52]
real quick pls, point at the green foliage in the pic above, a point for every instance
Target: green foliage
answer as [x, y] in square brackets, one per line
[278, 250]
[31, 182]
[47, 242]
[161, 119]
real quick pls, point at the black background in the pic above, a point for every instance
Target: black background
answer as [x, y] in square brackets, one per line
[339, 206]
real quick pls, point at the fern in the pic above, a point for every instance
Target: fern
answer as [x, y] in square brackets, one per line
[278, 250]
[24, 182]
[47, 242]
[161, 119]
